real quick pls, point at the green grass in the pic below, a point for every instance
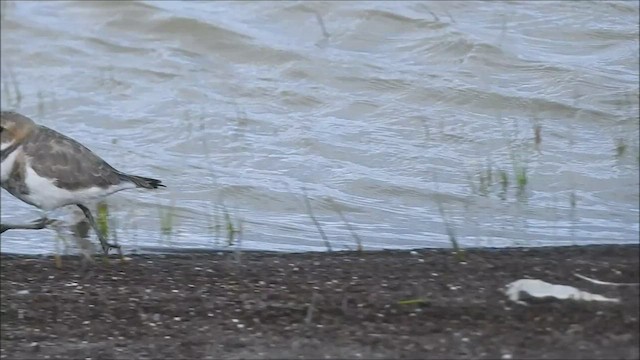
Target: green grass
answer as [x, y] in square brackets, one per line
[457, 251]
[491, 179]
[413, 302]
[504, 183]
[521, 177]
[230, 229]
[167, 218]
[621, 148]
[103, 218]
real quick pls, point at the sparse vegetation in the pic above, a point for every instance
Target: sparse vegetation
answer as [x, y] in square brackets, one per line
[537, 133]
[233, 231]
[12, 92]
[103, 218]
[621, 147]
[490, 179]
[457, 251]
[352, 231]
[307, 204]
[521, 177]
[508, 173]
[166, 215]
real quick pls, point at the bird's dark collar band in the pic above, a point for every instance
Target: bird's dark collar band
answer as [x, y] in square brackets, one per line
[6, 152]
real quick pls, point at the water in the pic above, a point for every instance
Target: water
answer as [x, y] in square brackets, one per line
[399, 119]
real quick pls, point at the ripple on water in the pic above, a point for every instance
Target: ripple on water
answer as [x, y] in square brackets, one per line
[383, 113]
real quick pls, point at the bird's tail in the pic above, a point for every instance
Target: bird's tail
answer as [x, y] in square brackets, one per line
[143, 182]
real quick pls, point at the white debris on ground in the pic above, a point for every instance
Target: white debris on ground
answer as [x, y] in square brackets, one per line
[522, 289]
[600, 282]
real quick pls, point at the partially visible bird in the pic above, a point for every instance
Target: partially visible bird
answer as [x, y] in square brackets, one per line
[48, 170]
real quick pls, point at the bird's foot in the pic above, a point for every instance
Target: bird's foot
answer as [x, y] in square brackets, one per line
[41, 223]
[106, 246]
[34, 225]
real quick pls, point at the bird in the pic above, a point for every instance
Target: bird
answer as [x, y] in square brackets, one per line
[34, 225]
[49, 170]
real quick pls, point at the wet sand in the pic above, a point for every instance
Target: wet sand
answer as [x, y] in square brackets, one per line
[389, 304]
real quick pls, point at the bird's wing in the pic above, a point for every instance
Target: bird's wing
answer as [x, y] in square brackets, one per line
[72, 165]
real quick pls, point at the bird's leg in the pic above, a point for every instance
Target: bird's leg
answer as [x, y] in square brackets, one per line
[34, 225]
[103, 241]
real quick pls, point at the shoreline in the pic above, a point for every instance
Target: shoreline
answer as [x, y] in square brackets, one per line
[422, 303]
[169, 251]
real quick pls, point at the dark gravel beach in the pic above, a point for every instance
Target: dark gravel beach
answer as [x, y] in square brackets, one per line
[389, 304]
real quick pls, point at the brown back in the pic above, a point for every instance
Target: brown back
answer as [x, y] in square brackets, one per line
[56, 156]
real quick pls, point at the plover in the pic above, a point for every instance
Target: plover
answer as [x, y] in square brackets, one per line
[35, 225]
[47, 169]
